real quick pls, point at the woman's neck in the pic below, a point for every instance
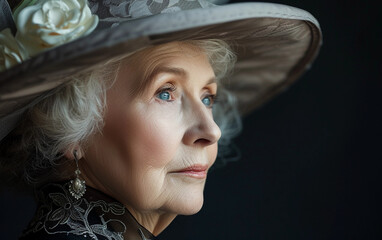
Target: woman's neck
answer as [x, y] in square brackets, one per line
[155, 222]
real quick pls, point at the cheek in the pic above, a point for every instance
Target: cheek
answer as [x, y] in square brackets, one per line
[146, 135]
[156, 143]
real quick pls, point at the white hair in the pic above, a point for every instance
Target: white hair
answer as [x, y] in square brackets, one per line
[76, 110]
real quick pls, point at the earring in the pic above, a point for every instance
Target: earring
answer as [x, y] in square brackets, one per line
[77, 186]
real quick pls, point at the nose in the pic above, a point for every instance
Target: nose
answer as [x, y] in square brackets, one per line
[202, 130]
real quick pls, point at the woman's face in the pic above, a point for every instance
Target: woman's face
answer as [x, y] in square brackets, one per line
[157, 144]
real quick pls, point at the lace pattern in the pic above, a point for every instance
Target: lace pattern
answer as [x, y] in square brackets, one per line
[112, 12]
[90, 216]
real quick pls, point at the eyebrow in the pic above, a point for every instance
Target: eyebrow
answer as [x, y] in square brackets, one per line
[176, 71]
[172, 70]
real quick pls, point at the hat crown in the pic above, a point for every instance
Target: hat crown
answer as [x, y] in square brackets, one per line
[112, 12]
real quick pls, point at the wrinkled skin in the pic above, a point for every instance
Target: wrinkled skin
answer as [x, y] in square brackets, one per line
[148, 138]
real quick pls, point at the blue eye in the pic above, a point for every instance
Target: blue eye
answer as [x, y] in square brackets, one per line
[165, 95]
[208, 101]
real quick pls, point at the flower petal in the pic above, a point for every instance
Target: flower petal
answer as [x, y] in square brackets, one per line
[50, 23]
[11, 51]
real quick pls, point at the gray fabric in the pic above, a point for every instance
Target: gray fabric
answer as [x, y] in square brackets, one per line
[6, 19]
[275, 44]
[112, 12]
[9, 122]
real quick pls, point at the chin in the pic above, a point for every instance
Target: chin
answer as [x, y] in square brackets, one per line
[188, 204]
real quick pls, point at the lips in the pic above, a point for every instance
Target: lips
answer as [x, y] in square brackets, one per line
[195, 171]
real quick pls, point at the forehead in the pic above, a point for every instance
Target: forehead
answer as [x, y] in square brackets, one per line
[140, 67]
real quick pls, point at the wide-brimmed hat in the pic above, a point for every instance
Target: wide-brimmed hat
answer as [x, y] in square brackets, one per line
[45, 41]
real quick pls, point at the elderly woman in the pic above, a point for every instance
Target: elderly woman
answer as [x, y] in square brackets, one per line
[109, 115]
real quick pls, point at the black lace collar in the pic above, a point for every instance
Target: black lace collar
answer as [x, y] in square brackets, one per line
[94, 216]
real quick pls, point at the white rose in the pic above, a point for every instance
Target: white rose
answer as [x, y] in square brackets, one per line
[50, 23]
[11, 52]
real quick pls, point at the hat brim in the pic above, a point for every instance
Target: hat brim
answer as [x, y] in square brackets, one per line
[274, 43]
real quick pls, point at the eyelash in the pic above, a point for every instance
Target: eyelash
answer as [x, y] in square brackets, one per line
[172, 88]
[213, 98]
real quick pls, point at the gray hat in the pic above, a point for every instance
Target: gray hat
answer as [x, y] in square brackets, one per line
[274, 43]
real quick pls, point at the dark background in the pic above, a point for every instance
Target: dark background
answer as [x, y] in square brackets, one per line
[311, 158]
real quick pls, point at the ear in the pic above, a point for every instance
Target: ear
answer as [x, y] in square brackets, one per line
[69, 153]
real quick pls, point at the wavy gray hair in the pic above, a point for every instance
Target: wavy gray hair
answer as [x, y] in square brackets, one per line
[32, 153]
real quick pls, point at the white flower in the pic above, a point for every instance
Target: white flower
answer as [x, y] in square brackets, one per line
[11, 52]
[50, 23]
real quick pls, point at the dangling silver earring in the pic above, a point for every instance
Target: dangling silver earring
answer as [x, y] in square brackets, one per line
[77, 186]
